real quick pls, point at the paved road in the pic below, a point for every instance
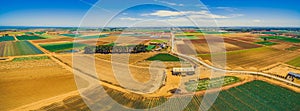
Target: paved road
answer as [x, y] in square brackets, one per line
[190, 58]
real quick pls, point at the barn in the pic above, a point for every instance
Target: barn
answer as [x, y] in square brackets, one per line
[180, 71]
[291, 76]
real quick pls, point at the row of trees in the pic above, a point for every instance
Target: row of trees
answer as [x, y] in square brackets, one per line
[107, 49]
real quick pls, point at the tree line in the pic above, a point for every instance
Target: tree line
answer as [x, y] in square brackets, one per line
[107, 49]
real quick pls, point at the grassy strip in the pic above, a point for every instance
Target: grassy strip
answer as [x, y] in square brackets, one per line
[294, 62]
[163, 57]
[266, 43]
[204, 84]
[30, 58]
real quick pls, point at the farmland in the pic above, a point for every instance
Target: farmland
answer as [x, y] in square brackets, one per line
[202, 47]
[255, 58]
[163, 57]
[267, 43]
[38, 80]
[7, 38]
[30, 58]
[18, 48]
[71, 35]
[282, 38]
[255, 95]
[58, 47]
[27, 37]
[203, 84]
[294, 62]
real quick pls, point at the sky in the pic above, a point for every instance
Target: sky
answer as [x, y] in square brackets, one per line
[94, 13]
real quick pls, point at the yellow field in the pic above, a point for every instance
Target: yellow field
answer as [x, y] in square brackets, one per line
[25, 82]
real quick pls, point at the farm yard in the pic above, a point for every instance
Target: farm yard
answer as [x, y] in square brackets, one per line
[18, 48]
[256, 58]
[255, 95]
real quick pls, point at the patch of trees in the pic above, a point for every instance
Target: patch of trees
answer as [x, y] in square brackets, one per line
[107, 49]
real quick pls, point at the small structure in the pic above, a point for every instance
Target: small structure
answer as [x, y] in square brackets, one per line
[291, 76]
[180, 71]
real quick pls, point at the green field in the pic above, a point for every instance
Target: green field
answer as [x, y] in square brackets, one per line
[30, 58]
[293, 48]
[252, 96]
[158, 41]
[294, 62]
[60, 47]
[164, 57]
[18, 48]
[282, 38]
[150, 47]
[266, 43]
[71, 35]
[7, 38]
[204, 84]
[27, 37]
[186, 36]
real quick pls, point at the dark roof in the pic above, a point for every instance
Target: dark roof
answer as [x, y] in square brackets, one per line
[294, 75]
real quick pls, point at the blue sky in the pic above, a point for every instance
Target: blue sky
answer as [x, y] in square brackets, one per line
[284, 13]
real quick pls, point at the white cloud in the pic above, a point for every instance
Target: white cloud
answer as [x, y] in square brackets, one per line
[191, 14]
[256, 21]
[164, 13]
[169, 3]
[229, 9]
[131, 18]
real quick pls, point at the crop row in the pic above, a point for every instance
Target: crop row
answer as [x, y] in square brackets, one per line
[18, 48]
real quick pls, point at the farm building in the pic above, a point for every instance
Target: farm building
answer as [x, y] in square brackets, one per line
[179, 71]
[291, 76]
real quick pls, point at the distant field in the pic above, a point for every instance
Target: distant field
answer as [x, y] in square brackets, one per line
[267, 43]
[71, 35]
[93, 36]
[7, 38]
[186, 36]
[58, 47]
[202, 46]
[27, 37]
[158, 41]
[164, 57]
[283, 38]
[18, 48]
[256, 57]
[294, 62]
